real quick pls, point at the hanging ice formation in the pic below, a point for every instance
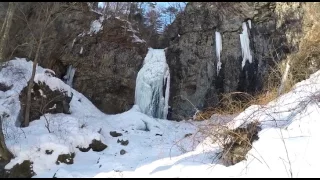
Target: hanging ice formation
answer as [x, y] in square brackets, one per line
[218, 50]
[245, 44]
[152, 85]
[69, 76]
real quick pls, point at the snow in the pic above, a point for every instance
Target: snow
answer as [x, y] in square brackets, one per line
[288, 144]
[96, 26]
[151, 79]
[129, 28]
[53, 83]
[245, 45]
[137, 39]
[218, 50]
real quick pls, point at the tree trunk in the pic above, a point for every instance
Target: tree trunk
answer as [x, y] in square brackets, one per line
[7, 24]
[5, 154]
[117, 8]
[30, 85]
[284, 78]
[4, 22]
[106, 9]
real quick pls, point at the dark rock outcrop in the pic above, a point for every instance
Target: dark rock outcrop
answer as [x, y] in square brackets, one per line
[23, 170]
[276, 30]
[97, 146]
[115, 134]
[4, 87]
[44, 100]
[106, 62]
[65, 158]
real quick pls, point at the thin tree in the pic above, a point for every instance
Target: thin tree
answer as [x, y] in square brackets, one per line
[4, 33]
[5, 154]
[47, 10]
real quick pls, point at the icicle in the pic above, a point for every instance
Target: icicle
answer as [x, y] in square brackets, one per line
[74, 40]
[153, 85]
[245, 45]
[249, 22]
[81, 50]
[69, 76]
[218, 50]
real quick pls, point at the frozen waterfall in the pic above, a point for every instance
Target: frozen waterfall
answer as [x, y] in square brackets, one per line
[152, 85]
[218, 50]
[69, 76]
[245, 44]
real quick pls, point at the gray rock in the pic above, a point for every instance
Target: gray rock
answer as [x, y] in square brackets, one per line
[276, 32]
[97, 145]
[23, 170]
[122, 152]
[45, 99]
[106, 69]
[65, 158]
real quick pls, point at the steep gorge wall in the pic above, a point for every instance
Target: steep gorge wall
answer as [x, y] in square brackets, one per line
[106, 59]
[276, 31]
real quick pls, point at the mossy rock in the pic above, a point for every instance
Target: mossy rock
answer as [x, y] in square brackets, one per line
[23, 170]
[65, 158]
[97, 146]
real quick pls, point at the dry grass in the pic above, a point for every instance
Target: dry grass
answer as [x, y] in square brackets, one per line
[230, 103]
[236, 102]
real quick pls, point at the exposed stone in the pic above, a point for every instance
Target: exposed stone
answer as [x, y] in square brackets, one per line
[109, 61]
[82, 149]
[276, 30]
[115, 134]
[240, 143]
[49, 151]
[97, 145]
[122, 142]
[65, 158]
[23, 170]
[122, 152]
[4, 87]
[45, 100]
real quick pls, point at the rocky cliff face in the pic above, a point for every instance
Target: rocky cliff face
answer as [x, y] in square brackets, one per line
[274, 30]
[106, 53]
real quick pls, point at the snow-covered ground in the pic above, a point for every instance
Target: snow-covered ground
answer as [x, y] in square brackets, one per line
[288, 143]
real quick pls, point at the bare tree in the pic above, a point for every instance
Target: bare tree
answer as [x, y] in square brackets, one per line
[5, 29]
[44, 20]
[5, 154]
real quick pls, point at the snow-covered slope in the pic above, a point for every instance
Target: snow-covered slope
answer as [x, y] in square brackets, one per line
[160, 148]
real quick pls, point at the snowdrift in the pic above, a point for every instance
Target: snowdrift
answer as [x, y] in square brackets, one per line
[287, 145]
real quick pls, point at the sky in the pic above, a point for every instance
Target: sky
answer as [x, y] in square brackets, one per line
[165, 19]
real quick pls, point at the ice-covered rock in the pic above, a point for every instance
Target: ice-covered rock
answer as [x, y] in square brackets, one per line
[152, 85]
